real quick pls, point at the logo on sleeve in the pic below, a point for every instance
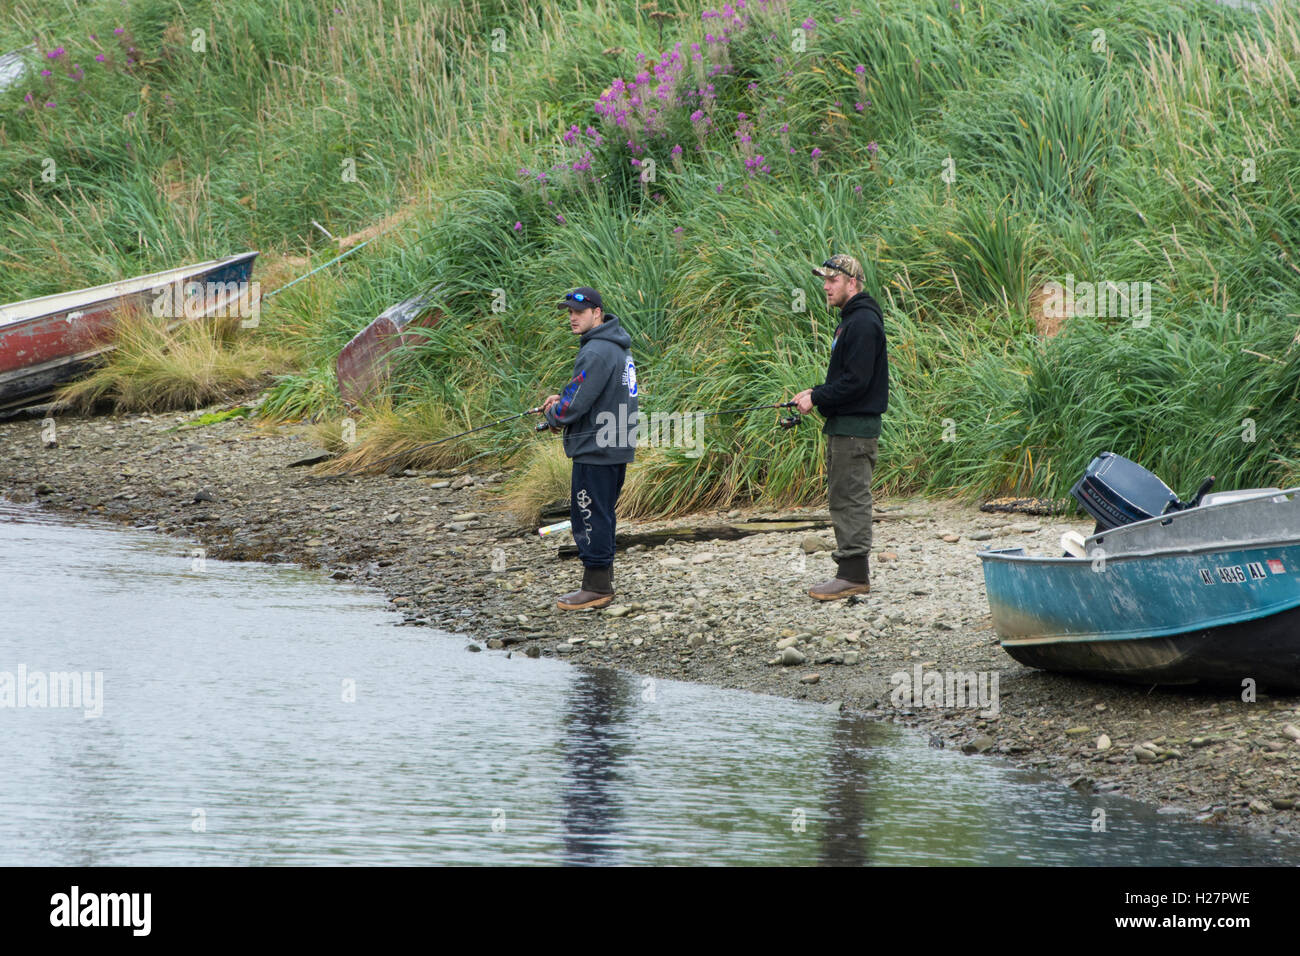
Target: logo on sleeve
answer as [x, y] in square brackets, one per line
[629, 376]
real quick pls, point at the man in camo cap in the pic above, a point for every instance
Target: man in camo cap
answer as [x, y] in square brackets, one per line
[853, 398]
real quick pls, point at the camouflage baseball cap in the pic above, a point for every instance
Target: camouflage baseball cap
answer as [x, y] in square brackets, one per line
[843, 264]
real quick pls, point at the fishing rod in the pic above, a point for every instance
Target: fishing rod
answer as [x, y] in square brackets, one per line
[410, 451]
[790, 421]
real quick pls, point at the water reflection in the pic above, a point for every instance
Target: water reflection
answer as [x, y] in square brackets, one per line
[595, 706]
[852, 764]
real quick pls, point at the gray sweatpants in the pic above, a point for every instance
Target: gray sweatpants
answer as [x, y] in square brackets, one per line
[849, 463]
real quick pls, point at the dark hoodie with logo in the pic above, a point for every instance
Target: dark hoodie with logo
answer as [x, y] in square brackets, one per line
[856, 392]
[598, 408]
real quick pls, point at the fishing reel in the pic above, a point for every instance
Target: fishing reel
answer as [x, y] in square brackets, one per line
[791, 420]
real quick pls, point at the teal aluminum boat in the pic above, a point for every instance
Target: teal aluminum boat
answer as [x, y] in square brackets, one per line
[1209, 594]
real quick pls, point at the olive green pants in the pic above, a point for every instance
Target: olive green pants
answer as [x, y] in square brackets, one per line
[849, 463]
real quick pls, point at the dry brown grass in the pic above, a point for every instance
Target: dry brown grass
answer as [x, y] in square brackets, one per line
[390, 438]
[195, 364]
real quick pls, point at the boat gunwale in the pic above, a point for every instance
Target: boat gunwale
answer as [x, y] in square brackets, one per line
[110, 290]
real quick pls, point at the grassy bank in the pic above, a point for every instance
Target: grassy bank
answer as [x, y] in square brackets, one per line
[970, 154]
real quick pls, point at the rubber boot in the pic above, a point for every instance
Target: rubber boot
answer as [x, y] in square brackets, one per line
[852, 576]
[597, 590]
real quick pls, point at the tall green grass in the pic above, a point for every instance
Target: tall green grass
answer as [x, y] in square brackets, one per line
[967, 153]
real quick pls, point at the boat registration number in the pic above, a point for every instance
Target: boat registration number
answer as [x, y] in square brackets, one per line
[1235, 573]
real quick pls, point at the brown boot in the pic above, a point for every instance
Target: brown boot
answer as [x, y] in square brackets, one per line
[597, 590]
[852, 577]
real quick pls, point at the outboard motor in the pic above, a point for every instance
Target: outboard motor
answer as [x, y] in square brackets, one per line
[1116, 491]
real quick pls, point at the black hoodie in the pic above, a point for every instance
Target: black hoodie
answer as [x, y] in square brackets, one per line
[857, 380]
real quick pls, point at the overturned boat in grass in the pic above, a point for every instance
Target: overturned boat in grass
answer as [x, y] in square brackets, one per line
[363, 366]
[1162, 592]
[47, 341]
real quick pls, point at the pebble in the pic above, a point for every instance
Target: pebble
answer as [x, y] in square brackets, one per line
[703, 557]
[474, 647]
[1025, 528]
[785, 642]
[950, 537]
[532, 650]
[981, 535]
[618, 610]
[1143, 755]
[1103, 742]
[981, 744]
[1259, 806]
[850, 657]
[1283, 803]
[465, 481]
[671, 562]
[1292, 731]
[810, 678]
[812, 543]
[887, 556]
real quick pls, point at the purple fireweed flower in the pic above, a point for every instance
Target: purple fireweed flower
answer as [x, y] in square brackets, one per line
[571, 135]
[718, 188]
[49, 104]
[677, 231]
[697, 116]
[860, 69]
[872, 147]
[55, 53]
[518, 226]
[857, 189]
[859, 107]
[559, 217]
[809, 24]
[100, 58]
[47, 72]
[785, 127]
[676, 150]
[118, 31]
[27, 98]
[815, 152]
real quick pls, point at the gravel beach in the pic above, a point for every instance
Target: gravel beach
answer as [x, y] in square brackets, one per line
[731, 613]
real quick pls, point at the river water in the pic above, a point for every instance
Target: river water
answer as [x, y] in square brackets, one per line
[257, 714]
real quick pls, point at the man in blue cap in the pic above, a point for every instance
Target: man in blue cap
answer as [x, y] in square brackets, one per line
[598, 412]
[854, 396]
